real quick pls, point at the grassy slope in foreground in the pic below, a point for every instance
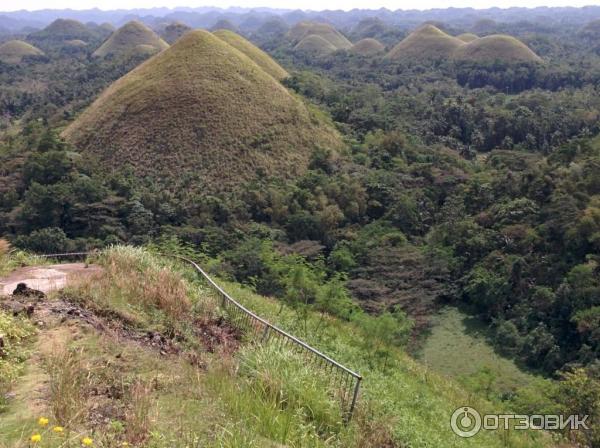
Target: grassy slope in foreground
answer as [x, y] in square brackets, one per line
[255, 397]
[262, 59]
[197, 108]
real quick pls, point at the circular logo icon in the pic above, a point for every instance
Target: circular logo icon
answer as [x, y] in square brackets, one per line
[465, 422]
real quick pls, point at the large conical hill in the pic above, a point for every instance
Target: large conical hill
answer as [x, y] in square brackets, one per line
[496, 47]
[323, 30]
[425, 43]
[132, 37]
[204, 113]
[13, 51]
[62, 30]
[367, 47]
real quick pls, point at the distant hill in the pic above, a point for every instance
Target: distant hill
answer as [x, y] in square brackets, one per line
[132, 37]
[467, 37]
[426, 42]
[174, 31]
[76, 43]
[323, 30]
[314, 45]
[225, 24]
[272, 27]
[13, 52]
[62, 30]
[262, 59]
[367, 47]
[369, 27]
[591, 29]
[201, 110]
[496, 47]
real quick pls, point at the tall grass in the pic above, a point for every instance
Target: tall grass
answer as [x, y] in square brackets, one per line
[14, 333]
[67, 383]
[139, 286]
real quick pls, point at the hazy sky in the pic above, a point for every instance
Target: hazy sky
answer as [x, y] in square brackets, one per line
[11, 5]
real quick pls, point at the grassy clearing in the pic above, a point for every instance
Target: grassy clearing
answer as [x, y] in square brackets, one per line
[457, 347]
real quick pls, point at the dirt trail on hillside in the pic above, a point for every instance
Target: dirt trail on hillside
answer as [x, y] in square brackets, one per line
[46, 278]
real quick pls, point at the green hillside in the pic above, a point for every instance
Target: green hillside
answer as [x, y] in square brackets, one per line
[496, 48]
[425, 43]
[323, 30]
[13, 51]
[132, 37]
[142, 354]
[262, 59]
[367, 47]
[196, 108]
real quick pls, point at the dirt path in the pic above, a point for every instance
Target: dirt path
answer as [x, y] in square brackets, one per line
[45, 278]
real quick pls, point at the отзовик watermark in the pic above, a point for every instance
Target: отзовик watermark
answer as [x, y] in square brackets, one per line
[466, 422]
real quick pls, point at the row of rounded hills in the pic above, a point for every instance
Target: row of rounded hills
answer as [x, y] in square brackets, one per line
[307, 38]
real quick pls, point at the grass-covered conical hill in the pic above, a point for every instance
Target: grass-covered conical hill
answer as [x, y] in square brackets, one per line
[467, 37]
[496, 48]
[323, 30]
[367, 47]
[425, 43]
[262, 59]
[201, 110]
[132, 37]
[314, 45]
[62, 30]
[13, 51]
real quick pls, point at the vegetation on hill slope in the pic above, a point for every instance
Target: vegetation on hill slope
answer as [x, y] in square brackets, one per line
[174, 31]
[62, 30]
[131, 37]
[13, 51]
[367, 46]
[262, 59]
[426, 42]
[145, 356]
[323, 30]
[196, 108]
[496, 48]
[314, 45]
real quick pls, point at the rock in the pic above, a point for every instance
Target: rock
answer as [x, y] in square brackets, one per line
[23, 290]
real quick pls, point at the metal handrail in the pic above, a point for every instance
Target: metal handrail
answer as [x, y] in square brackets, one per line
[267, 327]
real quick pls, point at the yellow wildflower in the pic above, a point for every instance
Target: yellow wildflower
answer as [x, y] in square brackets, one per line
[36, 438]
[87, 441]
[58, 429]
[43, 421]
